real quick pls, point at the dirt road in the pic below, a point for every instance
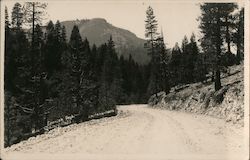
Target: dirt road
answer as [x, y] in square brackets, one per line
[142, 132]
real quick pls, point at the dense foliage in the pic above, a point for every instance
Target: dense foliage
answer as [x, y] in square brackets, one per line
[221, 26]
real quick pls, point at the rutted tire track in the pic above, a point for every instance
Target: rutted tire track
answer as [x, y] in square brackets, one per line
[179, 130]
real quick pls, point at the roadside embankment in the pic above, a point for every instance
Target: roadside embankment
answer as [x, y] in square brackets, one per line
[227, 103]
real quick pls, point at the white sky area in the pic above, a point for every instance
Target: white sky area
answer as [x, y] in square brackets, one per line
[175, 18]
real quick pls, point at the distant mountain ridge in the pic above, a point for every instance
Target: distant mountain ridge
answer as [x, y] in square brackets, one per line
[98, 31]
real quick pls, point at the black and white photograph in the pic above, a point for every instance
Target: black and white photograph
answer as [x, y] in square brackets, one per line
[124, 80]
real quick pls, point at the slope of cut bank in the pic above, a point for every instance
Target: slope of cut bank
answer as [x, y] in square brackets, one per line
[140, 132]
[227, 103]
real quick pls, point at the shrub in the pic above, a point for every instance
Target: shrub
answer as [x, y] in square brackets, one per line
[219, 95]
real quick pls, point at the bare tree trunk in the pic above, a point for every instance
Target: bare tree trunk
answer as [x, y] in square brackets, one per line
[153, 64]
[238, 56]
[228, 36]
[8, 125]
[217, 83]
[212, 78]
[33, 36]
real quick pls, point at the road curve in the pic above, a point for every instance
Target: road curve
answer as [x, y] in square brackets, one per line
[139, 130]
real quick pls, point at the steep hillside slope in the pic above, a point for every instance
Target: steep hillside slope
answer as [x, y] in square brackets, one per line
[227, 103]
[98, 31]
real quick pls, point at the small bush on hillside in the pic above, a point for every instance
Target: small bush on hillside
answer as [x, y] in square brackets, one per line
[202, 96]
[156, 98]
[208, 99]
[219, 95]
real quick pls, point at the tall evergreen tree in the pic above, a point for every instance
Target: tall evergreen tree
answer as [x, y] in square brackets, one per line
[58, 45]
[184, 44]
[108, 84]
[163, 69]
[34, 13]
[89, 84]
[151, 31]
[238, 36]
[228, 23]
[76, 49]
[17, 16]
[50, 49]
[63, 35]
[7, 22]
[191, 58]
[175, 65]
[82, 83]
[196, 60]
[212, 19]
[7, 107]
[151, 34]
[38, 86]
[7, 48]
[38, 51]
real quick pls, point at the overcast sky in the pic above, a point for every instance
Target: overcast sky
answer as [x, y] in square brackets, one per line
[176, 19]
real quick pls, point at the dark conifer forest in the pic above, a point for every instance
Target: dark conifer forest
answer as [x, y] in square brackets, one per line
[48, 77]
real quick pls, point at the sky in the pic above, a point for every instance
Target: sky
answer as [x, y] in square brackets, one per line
[175, 19]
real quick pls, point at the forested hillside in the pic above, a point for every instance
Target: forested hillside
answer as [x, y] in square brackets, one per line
[219, 91]
[222, 28]
[48, 77]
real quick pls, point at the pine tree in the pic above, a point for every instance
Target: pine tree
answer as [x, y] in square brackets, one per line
[58, 45]
[53, 47]
[191, 58]
[151, 35]
[212, 18]
[8, 60]
[228, 23]
[21, 92]
[38, 49]
[82, 77]
[7, 107]
[63, 78]
[64, 47]
[186, 62]
[17, 16]
[49, 55]
[34, 13]
[238, 36]
[58, 30]
[163, 65]
[16, 53]
[175, 65]
[196, 61]
[7, 22]
[107, 83]
[63, 35]
[76, 49]
[38, 86]
[151, 31]
[184, 44]
[88, 79]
